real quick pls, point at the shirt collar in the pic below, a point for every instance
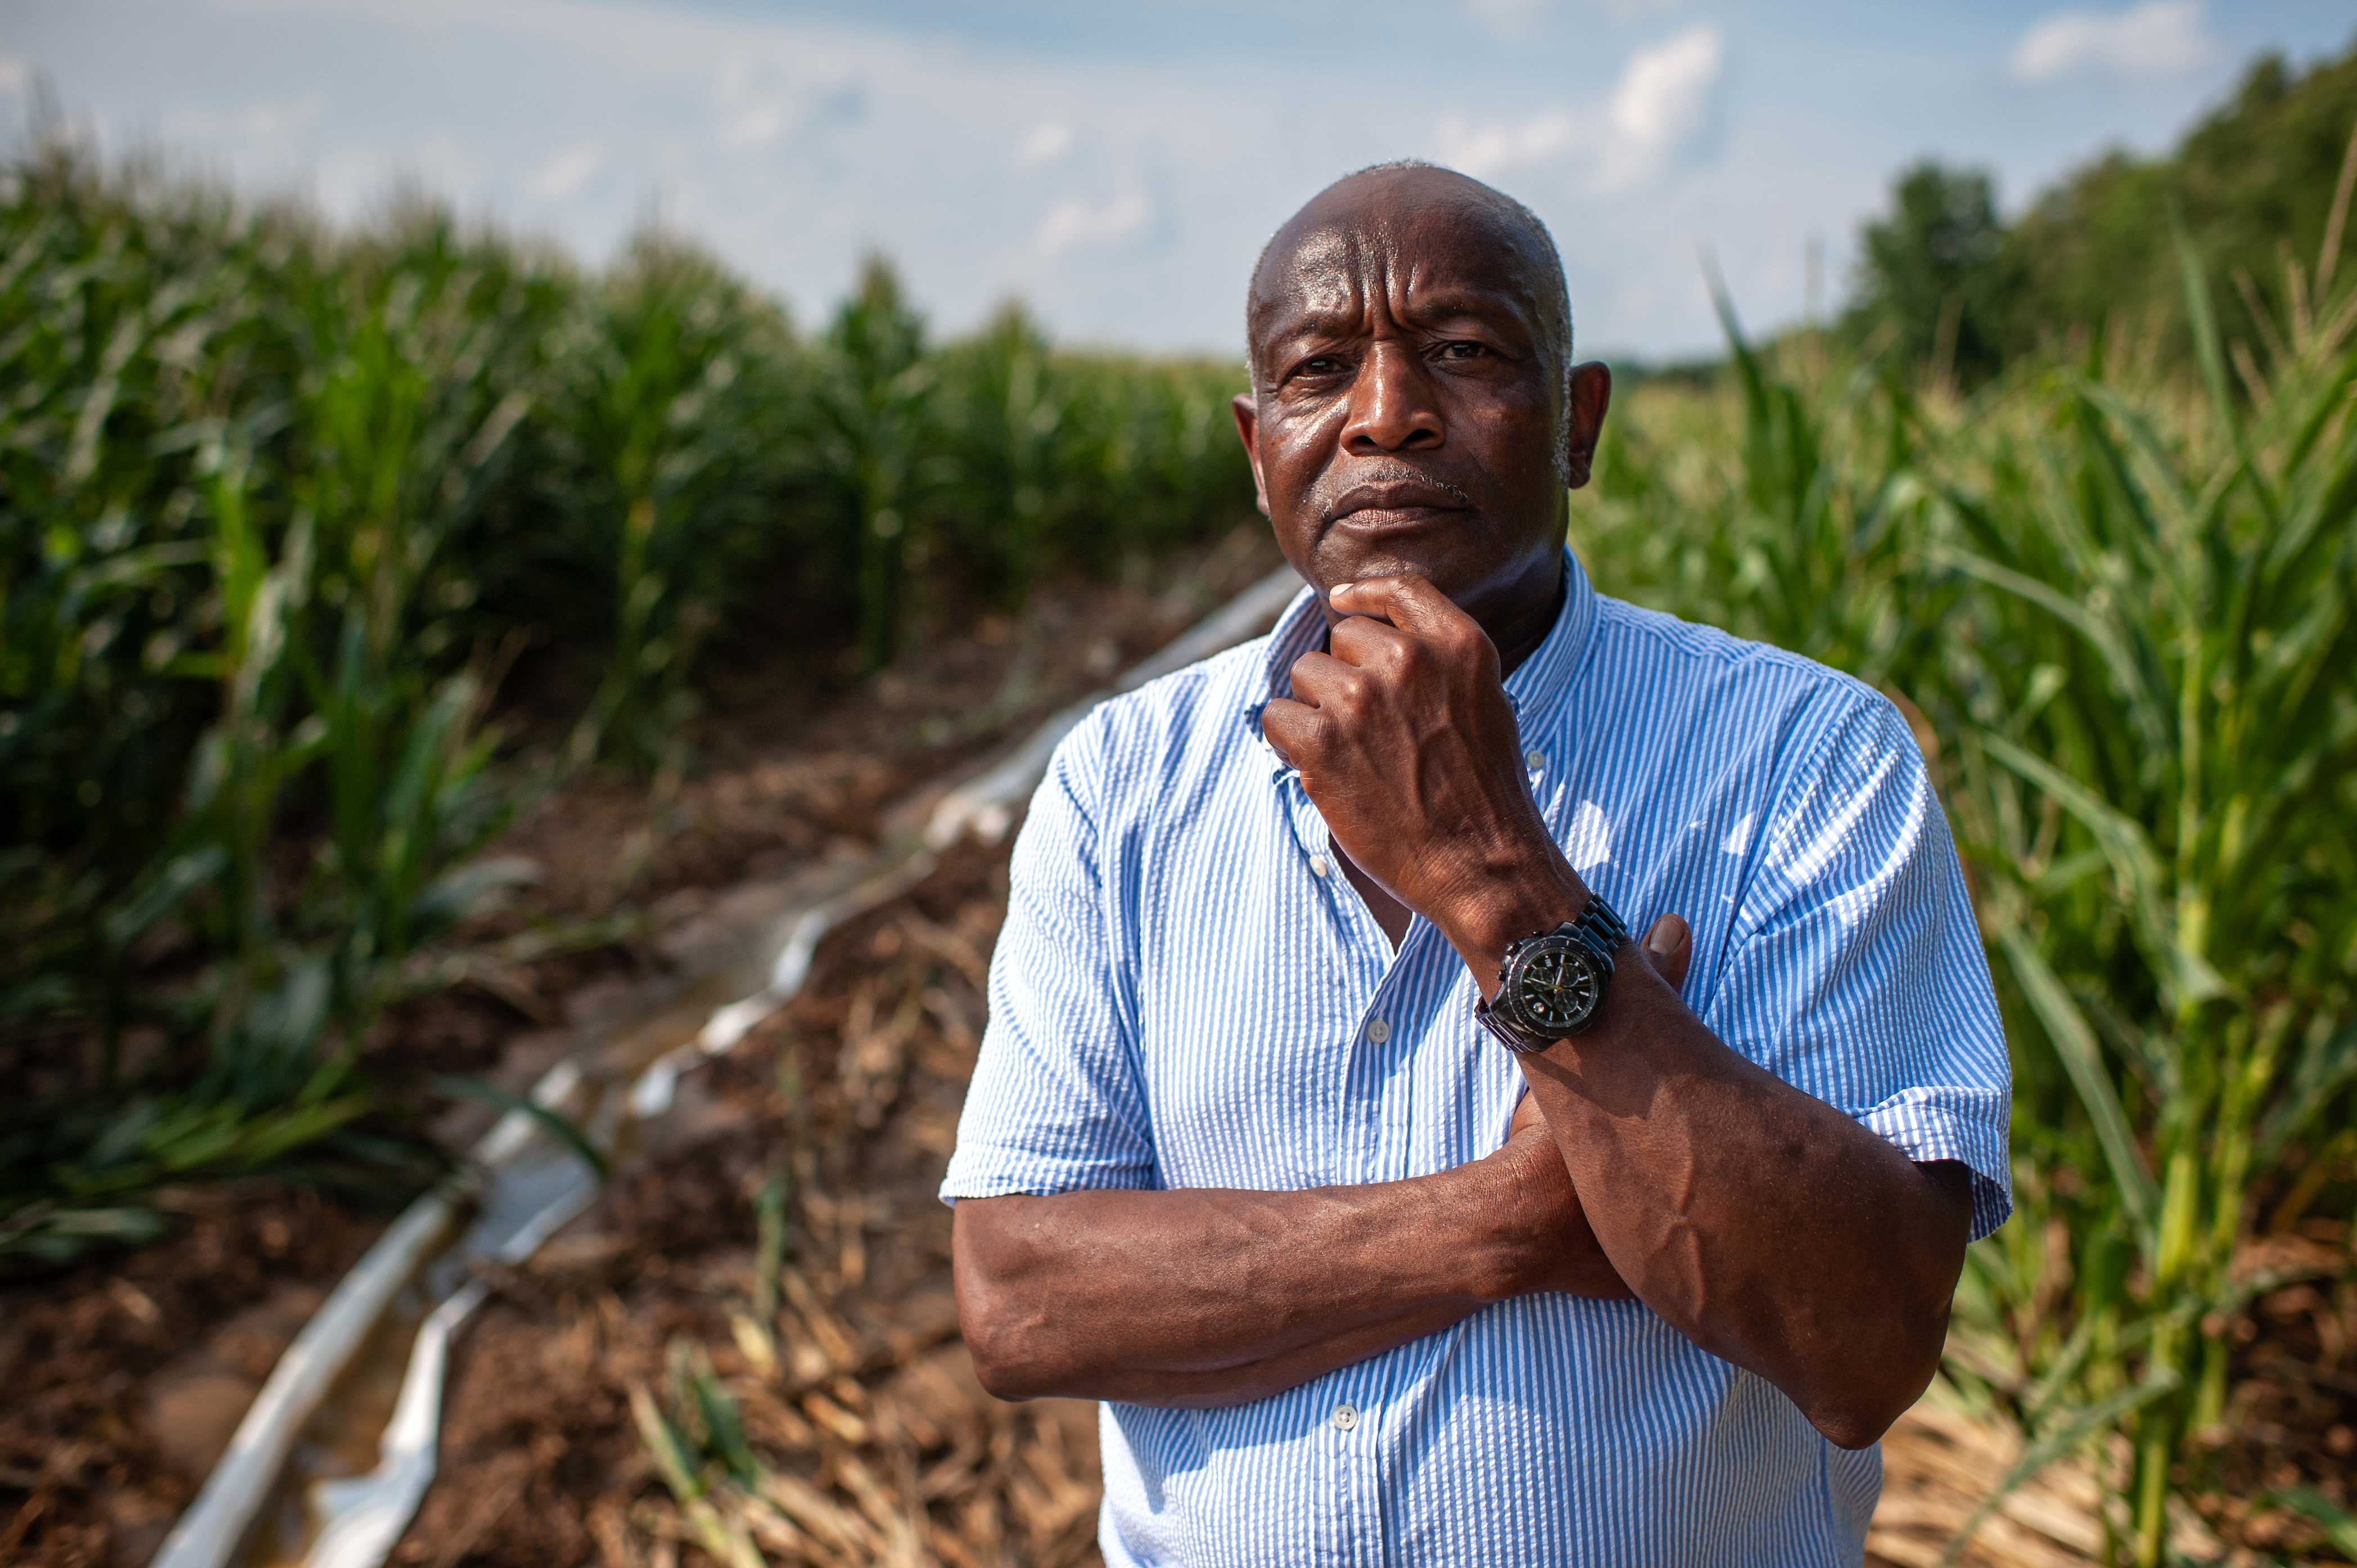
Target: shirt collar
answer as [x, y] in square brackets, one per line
[1537, 688]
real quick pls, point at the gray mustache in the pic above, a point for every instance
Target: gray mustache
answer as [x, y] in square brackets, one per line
[1394, 473]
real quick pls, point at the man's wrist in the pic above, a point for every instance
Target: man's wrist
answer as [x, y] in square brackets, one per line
[1503, 907]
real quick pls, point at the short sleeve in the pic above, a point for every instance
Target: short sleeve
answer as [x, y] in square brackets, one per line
[1056, 1103]
[1855, 970]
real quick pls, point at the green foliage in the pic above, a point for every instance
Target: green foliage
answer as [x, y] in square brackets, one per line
[2177, 909]
[1943, 280]
[279, 511]
[1938, 274]
[2124, 615]
[874, 399]
[2254, 183]
[675, 407]
[1811, 528]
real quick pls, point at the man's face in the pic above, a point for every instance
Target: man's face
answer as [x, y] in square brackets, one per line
[1409, 413]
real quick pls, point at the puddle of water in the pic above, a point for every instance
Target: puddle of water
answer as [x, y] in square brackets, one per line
[341, 1439]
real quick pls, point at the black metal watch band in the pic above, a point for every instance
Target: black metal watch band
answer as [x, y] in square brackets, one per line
[1508, 1033]
[1600, 926]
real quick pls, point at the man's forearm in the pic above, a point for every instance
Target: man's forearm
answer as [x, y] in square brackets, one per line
[1275, 1374]
[1767, 1226]
[1211, 1296]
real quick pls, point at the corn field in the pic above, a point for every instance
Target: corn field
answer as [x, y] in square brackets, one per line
[2123, 614]
[298, 531]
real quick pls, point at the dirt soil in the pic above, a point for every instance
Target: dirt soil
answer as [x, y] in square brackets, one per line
[654, 1384]
[126, 1376]
[124, 1380]
[869, 1440]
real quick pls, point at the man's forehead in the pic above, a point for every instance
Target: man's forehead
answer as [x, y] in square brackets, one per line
[1330, 272]
[1425, 236]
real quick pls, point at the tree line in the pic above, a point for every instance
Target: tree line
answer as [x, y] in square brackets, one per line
[1943, 278]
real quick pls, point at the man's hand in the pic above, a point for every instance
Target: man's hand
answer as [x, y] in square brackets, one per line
[1407, 743]
[1564, 1252]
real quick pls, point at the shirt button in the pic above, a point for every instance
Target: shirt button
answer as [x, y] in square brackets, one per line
[1316, 865]
[1345, 1417]
[1535, 758]
[1379, 1031]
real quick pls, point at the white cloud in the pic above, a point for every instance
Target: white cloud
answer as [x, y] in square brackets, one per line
[1661, 99]
[1483, 151]
[1074, 220]
[1044, 144]
[567, 172]
[2159, 37]
[755, 125]
[16, 75]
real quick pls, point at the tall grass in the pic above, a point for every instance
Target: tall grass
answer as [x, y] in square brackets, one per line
[2120, 608]
[282, 510]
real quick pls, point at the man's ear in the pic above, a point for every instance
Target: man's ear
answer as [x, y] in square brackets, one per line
[1247, 412]
[1587, 397]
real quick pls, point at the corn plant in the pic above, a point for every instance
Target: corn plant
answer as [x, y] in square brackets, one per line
[674, 411]
[1008, 405]
[1807, 538]
[285, 514]
[314, 595]
[2166, 796]
[2123, 613]
[874, 399]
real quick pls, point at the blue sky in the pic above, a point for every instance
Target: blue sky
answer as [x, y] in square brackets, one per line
[1118, 164]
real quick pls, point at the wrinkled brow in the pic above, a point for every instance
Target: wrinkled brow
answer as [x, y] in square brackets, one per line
[1423, 308]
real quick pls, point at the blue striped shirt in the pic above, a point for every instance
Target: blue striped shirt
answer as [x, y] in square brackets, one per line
[1188, 992]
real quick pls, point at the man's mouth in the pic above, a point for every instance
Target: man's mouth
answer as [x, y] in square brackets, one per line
[1396, 503]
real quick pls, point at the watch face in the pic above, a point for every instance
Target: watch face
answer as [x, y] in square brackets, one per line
[1558, 986]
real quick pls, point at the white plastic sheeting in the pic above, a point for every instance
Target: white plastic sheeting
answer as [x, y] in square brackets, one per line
[532, 1187]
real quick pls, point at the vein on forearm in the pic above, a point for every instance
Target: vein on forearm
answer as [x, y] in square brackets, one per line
[1768, 1226]
[1094, 1291]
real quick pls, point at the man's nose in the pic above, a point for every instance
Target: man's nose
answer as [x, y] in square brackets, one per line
[1392, 405]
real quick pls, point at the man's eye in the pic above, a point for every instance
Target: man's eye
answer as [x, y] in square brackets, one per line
[1464, 350]
[1321, 365]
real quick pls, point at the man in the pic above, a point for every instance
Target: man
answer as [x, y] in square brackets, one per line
[1243, 1158]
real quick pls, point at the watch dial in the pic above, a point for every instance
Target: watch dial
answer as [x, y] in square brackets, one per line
[1558, 988]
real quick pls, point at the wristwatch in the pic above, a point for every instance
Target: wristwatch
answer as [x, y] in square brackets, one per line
[1551, 983]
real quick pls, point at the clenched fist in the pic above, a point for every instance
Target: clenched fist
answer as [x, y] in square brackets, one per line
[1406, 740]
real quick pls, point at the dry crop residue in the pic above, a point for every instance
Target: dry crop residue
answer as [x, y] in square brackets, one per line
[867, 1438]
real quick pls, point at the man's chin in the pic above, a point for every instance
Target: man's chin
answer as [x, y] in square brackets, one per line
[1344, 555]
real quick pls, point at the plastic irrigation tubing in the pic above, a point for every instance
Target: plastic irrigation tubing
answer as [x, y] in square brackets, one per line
[366, 1515]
